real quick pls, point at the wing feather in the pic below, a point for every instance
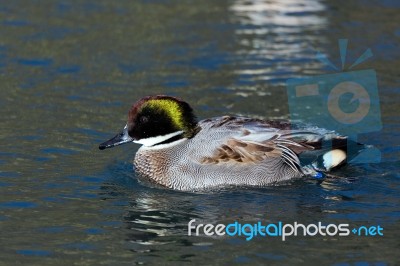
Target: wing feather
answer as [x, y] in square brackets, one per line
[254, 140]
[254, 150]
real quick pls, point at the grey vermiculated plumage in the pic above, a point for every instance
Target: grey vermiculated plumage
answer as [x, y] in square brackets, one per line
[230, 151]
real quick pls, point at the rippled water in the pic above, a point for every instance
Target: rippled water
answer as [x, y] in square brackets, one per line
[69, 72]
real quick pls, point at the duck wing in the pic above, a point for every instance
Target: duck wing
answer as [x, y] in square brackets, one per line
[260, 140]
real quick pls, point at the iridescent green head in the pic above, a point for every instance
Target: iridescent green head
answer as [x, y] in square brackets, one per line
[156, 120]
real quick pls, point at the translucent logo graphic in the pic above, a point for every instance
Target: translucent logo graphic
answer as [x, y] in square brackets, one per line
[346, 102]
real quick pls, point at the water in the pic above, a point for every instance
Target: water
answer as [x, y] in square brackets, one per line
[69, 72]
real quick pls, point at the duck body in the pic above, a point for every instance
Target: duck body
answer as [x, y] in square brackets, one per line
[227, 150]
[206, 160]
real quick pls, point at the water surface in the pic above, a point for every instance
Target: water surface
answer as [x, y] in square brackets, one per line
[69, 72]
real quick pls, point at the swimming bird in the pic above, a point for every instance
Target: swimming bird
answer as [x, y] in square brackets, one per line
[182, 153]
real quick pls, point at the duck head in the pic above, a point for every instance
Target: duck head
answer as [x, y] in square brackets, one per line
[156, 120]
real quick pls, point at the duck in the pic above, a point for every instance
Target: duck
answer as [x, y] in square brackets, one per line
[181, 153]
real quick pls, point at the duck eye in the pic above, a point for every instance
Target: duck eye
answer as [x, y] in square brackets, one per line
[144, 119]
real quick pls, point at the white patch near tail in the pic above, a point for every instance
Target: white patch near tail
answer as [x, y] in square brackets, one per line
[333, 158]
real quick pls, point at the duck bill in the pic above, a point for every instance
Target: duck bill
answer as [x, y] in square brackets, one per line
[119, 139]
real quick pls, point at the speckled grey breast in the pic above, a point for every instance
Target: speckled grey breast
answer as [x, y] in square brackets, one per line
[182, 166]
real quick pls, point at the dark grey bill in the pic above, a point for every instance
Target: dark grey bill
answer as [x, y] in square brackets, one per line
[119, 139]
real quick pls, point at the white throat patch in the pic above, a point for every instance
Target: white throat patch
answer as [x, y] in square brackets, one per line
[148, 142]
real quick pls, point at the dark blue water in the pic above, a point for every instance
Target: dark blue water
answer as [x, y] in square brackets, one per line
[70, 71]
